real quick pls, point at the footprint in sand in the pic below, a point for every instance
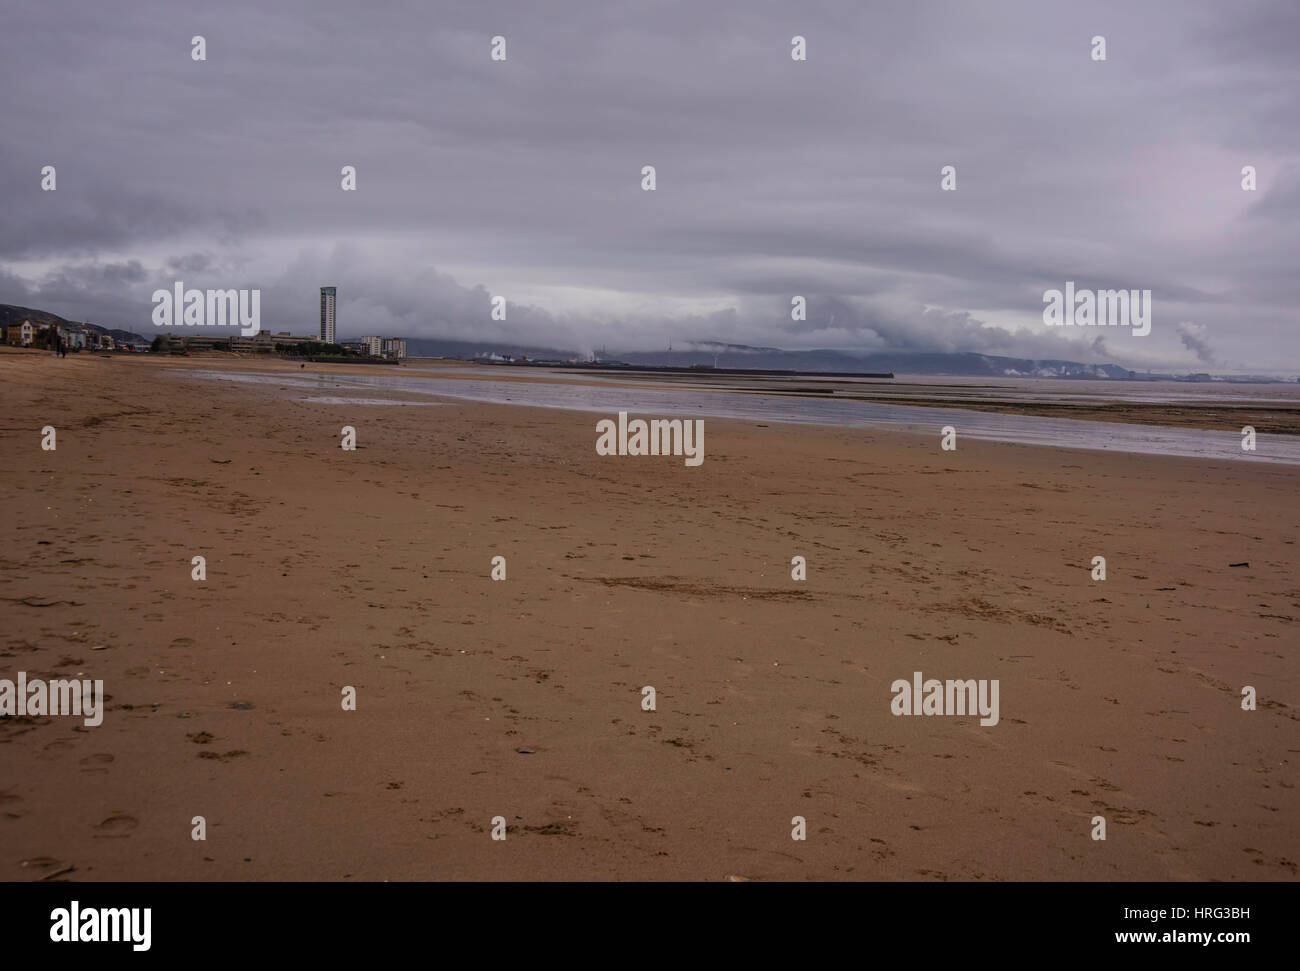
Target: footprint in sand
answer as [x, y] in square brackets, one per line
[117, 826]
[8, 799]
[41, 863]
[222, 756]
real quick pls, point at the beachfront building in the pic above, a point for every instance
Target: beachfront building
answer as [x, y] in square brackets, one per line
[264, 342]
[327, 299]
[388, 348]
[20, 335]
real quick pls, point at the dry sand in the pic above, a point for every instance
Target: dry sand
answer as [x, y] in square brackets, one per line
[328, 568]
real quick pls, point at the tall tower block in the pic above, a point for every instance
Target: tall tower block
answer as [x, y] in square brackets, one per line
[327, 297]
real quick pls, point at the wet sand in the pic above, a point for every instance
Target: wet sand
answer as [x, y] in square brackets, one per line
[371, 569]
[1211, 406]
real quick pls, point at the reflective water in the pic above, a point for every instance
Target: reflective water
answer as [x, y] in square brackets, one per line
[681, 402]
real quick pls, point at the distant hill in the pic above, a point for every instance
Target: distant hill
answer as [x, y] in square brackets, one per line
[920, 362]
[465, 350]
[13, 314]
[744, 356]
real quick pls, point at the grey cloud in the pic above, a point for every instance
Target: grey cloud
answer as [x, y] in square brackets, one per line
[775, 177]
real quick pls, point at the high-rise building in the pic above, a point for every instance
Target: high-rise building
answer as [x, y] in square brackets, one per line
[327, 296]
[389, 348]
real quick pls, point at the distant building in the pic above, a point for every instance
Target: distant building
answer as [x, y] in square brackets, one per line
[196, 342]
[388, 348]
[20, 335]
[327, 298]
[264, 342]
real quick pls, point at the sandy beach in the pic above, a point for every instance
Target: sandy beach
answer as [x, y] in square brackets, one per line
[522, 698]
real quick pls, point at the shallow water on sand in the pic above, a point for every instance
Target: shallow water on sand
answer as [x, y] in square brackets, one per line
[681, 403]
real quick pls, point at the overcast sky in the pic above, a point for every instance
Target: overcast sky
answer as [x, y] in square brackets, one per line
[774, 177]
